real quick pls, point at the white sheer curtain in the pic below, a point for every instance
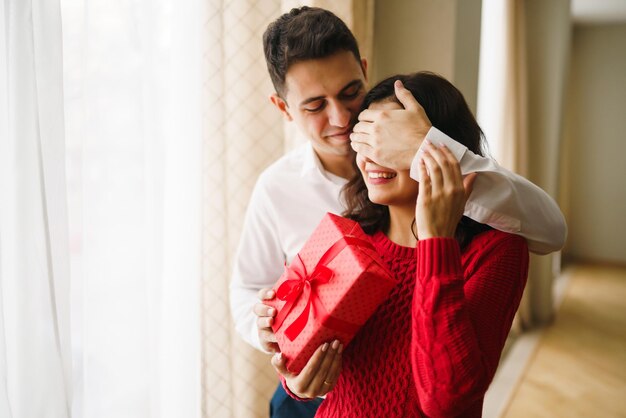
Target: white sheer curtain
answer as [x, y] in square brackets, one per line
[35, 356]
[134, 127]
[502, 82]
[243, 136]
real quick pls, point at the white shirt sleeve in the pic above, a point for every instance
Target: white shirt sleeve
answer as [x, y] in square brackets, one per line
[258, 263]
[504, 200]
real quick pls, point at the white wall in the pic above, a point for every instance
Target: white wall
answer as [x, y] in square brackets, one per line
[596, 169]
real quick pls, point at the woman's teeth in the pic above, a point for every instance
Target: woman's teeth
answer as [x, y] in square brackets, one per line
[381, 175]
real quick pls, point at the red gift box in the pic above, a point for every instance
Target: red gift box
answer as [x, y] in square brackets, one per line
[331, 288]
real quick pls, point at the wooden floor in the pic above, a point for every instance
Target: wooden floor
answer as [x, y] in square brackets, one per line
[578, 368]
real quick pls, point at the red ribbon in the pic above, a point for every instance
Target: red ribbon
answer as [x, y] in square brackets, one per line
[300, 283]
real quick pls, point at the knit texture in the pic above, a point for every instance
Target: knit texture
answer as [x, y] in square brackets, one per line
[432, 348]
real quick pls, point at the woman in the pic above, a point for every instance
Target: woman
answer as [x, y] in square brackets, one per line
[433, 347]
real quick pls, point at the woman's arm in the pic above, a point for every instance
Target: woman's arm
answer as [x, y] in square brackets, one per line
[462, 308]
[462, 315]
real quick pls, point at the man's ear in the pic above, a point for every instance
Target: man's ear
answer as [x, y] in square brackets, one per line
[281, 105]
[364, 67]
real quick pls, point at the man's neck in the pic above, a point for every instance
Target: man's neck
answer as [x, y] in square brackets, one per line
[339, 165]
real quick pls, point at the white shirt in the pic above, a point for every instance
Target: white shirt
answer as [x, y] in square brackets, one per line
[293, 194]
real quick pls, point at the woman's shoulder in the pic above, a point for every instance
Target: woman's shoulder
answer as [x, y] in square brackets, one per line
[499, 253]
[495, 237]
[494, 241]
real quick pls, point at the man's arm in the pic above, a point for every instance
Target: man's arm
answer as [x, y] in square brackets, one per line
[504, 200]
[258, 263]
[501, 199]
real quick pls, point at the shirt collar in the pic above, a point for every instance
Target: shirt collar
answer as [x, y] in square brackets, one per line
[312, 166]
[311, 162]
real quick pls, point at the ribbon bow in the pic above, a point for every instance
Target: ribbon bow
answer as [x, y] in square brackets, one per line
[300, 283]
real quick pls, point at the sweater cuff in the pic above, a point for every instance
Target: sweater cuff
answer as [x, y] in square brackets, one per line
[290, 393]
[438, 257]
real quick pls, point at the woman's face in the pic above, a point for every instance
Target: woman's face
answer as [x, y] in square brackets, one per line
[384, 185]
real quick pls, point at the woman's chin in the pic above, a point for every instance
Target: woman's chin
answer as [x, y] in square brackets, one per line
[379, 200]
[394, 201]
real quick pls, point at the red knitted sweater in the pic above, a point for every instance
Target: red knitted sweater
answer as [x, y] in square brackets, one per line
[433, 347]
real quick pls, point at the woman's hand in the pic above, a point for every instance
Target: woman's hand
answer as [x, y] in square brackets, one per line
[320, 374]
[442, 193]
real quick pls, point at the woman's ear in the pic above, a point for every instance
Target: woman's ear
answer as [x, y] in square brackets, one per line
[281, 105]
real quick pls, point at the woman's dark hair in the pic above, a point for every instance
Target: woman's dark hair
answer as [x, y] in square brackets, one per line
[447, 111]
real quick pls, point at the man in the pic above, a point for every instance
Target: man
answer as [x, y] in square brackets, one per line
[320, 81]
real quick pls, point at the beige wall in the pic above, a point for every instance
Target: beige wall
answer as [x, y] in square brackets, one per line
[435, 35]
[596, 169]
[467, 49]
[548, 45]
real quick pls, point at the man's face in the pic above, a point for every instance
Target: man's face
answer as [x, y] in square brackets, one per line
[324, 97]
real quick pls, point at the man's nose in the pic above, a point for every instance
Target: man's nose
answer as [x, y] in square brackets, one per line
[339, 115]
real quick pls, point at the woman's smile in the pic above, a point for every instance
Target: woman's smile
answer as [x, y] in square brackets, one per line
[378, 177]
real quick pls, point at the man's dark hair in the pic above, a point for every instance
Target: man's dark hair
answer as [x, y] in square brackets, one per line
[302, 34]
[448, 111]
